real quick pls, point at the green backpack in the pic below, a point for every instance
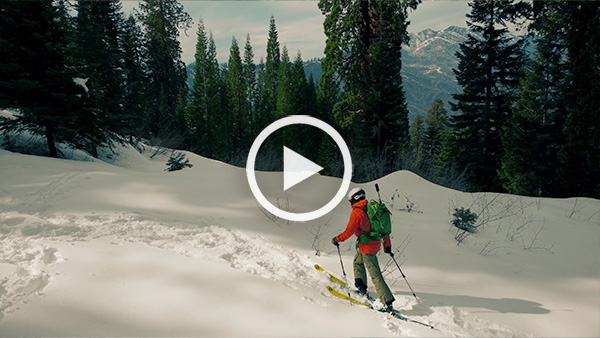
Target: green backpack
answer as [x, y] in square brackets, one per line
[381, 224]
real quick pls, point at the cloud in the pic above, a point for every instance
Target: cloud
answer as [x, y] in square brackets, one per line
[438, 15]
[299, 26]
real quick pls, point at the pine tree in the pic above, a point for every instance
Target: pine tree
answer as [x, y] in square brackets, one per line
[134, 71]
[284, 86]
[489, 70]
[417, 135]
[43, 89]
[99, 54]
[302, 100]
[205, 109]
[261, 100]
[198, 105]
[162, 20]
[436, 123]
[532, 137]
[550, 142]
[579, 159]
[364, 43]
[271, 78]
[329, 82]
[222, 121]
[237, 99]
[249, 74]
[302, 97]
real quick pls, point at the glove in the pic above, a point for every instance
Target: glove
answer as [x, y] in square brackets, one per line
[388, 250]
[335, 242]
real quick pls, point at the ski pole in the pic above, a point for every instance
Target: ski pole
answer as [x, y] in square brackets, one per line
[344, 272]
[403, 276]
[377, 188]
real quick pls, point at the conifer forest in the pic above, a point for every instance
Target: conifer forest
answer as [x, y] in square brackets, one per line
[526, 120]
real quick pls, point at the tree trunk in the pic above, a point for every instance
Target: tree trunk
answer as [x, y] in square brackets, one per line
[50, 140]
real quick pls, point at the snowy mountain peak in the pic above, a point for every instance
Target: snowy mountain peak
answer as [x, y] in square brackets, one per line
[427, 67]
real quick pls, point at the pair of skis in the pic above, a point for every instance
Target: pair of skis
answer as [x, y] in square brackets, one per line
[336, 293]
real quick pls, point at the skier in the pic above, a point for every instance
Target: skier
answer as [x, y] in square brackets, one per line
[366, 255]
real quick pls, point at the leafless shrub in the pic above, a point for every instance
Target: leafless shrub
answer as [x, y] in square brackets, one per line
[576, 208]
[518, 226]
[267, 213]
[280, 203]
[490, 248]
[316, 229]
[532, 245]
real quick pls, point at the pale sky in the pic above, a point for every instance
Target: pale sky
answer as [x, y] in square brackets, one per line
[299, 24]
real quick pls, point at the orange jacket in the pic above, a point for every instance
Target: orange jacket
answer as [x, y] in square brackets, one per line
[358, 219]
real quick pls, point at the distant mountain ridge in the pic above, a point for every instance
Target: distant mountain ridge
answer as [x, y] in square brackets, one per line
[427, 64]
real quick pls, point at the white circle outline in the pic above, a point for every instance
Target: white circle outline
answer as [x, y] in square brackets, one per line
[286, 121]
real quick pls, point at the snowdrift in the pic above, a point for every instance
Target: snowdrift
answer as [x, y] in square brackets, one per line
[122, 248]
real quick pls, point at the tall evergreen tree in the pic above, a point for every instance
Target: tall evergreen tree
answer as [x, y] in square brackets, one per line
[579, 159]
[271, 78]
[162, 20]
[218, 121]
[549, 144]
[284, 86]
[532, 137]
[205, 109]
[237, 98]
[303, 96]
[222, 120]
[99, 54]
[198, 104]
[417, 135]
[249, 74]
[37, 76]
[134, 68]
[364, 43]
[436, 123]
[261, 111]
[329, 82]
[489, 70]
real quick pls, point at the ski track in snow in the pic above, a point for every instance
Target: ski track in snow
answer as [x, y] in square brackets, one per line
[24, 239]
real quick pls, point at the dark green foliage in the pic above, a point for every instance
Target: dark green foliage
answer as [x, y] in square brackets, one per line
[430, 150]
[238, 105]
[99, 58]
[364, 43]
[177, 161]
[464, 219]
[284, 86]
[37, 75]
[87, 76]
[579, 159]
[271, 76]
[206, 109]
[249, 77]
[134, 71]
[162, 20]
[489, 70]
[551, 141]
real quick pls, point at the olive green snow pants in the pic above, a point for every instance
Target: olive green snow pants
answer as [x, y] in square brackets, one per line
[370, 262]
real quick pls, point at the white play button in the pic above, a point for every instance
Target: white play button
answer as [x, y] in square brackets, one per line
[296, 168]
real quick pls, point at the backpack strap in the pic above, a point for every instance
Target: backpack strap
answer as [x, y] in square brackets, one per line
[362, 232]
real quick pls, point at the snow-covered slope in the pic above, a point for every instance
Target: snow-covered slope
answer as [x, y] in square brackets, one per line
[127, 249]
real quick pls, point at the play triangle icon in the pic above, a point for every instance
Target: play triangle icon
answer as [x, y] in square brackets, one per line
[296, 168]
